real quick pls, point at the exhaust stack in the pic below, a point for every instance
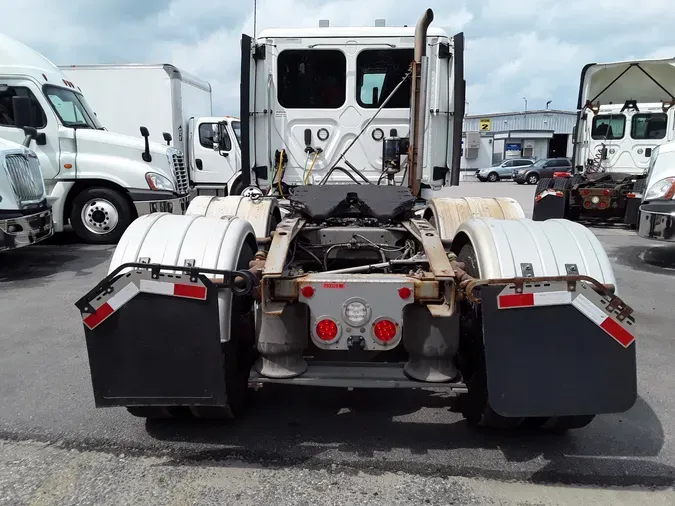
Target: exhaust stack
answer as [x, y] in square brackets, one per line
[419, 101]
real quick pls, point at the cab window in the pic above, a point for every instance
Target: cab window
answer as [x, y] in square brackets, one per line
[37, 115]
[610, 126]
[312, 78]
[207, 131]
[649, 126]
[378, 72]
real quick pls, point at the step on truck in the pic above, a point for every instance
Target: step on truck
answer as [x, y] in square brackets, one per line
[347, 271]
[25, 215]
[625, 110]
[177, 108]
[97, 181]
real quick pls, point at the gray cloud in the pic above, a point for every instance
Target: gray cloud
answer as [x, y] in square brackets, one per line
[515, 48]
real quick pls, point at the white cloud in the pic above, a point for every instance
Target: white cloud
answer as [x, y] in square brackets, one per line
[515, 48]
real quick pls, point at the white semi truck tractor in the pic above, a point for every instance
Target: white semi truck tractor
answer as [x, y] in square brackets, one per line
[25, 215]
[98, 181]
[342, 268]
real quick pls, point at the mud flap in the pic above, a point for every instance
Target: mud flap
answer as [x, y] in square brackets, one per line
[632, 211]
[557, 359]
[153, 339]
[550, 204]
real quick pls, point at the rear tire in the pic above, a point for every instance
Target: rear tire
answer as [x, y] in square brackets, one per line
[238, 353]
[474, 405]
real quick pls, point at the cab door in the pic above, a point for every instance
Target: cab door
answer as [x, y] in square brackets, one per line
[42, 118]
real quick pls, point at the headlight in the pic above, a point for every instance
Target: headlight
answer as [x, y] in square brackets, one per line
[664, 189]
[159, 182]
[522, 171]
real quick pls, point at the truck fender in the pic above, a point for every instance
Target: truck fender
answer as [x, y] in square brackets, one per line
[262, 213]
[169, 239]
[447, 213]
[503, 246]
[57, 199]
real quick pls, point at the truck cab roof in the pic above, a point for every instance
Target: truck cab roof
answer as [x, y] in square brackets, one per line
[17, 58]
[347, 31]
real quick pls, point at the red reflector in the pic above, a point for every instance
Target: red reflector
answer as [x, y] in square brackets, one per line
[93, 320]
[385, 330]
[517, 300]
[631, 195]
[190, 291]
[327, 330]
[404, 292]
[617, 332]
[307, 291]
[606, 192]
[586, 192]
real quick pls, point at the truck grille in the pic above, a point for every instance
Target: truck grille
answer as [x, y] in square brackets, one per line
[180, 172]
[26, 178]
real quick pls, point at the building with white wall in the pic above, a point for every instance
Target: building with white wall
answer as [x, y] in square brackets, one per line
[489, 138]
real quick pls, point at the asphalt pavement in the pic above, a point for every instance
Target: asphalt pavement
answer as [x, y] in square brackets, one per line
[46, 397]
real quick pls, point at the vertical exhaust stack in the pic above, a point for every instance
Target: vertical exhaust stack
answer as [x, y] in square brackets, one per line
[419, 101]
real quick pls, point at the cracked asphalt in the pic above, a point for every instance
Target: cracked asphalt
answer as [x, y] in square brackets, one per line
[296, 442]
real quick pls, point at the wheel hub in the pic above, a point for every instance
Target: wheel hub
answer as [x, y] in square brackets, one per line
[99, 216]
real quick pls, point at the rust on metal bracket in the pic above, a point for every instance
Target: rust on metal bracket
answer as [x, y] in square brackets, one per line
[469, 285]
[433, 247]
[281, 241]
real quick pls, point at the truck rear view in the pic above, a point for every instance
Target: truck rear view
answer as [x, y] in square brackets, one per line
[625, 112]
[355, 281]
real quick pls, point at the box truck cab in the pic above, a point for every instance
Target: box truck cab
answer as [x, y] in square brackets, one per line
[318, 105]
[176, 107]
[25, 216]
[99, 181]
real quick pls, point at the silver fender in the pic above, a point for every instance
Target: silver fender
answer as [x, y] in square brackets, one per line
[448, 213]
[172, 239]
[260, 213]
[501, 247]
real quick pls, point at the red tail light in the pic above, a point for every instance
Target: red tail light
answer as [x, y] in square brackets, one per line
[307, 291]
[326, 330]
[602, 205]
[586, 192]
[404, 292]
[385, 330]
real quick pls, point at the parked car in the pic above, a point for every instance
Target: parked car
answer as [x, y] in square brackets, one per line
[502, 170]
[541, 168]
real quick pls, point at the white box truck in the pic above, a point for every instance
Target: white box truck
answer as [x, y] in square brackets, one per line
[97, 180]
[176, 107]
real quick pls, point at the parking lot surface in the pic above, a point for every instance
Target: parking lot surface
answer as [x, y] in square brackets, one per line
[46, 396]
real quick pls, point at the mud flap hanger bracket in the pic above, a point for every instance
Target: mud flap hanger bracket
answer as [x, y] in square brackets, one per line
[242, 282]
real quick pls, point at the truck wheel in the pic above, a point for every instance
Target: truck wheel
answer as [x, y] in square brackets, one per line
[532, 178]
[239, 353]
[493, 177]
[474, 405]
[100, 215]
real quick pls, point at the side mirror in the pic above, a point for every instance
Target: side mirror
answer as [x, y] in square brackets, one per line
[167, 138]
[146, 153]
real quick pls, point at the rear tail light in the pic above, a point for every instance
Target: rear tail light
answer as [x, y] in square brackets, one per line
[326, 330]
[404, 292]
[385, 330]
[602, 205]
[307, 291]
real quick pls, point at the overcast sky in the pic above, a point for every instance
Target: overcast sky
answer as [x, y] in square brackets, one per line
[515, 48]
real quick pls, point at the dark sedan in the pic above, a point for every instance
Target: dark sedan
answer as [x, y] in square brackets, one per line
[545, 167]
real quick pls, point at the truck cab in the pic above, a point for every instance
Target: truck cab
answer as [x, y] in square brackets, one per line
[318, 103]
[97, 180]
[656, 218]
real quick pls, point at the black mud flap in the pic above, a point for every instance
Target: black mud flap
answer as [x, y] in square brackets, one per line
[154, 340]
[556, 360]
[549, 205]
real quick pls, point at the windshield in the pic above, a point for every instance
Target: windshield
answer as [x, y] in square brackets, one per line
[539, 163]
[72, 108]
[236, 126]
